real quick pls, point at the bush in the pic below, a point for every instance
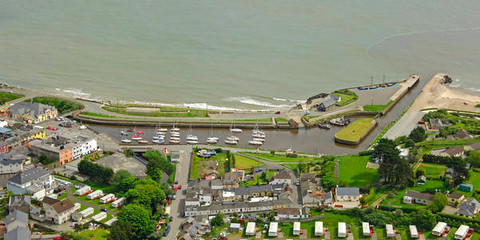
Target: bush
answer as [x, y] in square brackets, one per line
[95, 172]
[62, 105]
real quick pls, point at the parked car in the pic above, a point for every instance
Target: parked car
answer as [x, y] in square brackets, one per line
[179, 186]
[167, 230]
[103, 209]
[277, 112]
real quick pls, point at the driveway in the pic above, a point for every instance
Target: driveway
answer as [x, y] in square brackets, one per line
[74, 199]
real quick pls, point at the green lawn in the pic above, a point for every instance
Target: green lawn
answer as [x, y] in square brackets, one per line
[62, 105]
[279, 157]
[474, 180]
[98, 234]
[242, 162]
[353, 172]
[197, 164]
[164, 112]
[346, 99]
[356, 130]
[433, 170]
[7, 97]
[376, 108]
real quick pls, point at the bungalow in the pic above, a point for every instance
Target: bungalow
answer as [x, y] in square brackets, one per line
[253, 191]
[309, 177]
[310, 194]
[456, 151]
[290, 213]
[435, 124]
[469, 208]
[347, 194]
[462, 134]
[412, 196]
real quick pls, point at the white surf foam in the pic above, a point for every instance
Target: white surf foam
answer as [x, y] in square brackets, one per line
[209, 107]
[250, 101]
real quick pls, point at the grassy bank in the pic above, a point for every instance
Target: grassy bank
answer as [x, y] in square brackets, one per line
[377, 108]
[347, 97]
[62, 105]
[279, 157]
[356, 130]
[161, 112]
[7, 97]
[242, 162]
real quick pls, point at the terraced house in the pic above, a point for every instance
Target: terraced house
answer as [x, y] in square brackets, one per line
[32, 112]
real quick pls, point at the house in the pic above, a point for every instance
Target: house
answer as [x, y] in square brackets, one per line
[19, 233]
[455, 198]
[36, 181]
[18, 137]
[462, 134]
[347, 194]
[10, 166]
[469, 208]
[465, 187]
[281, 177]
[32, 112]
[422, 180]
[16, 219]
[238, 207]
[310, 195]
[253, 191]
[326, 102]
[58, 211]
[435, 124]
[290, 213]
[473, 146]
[310, 177]
[21, 203]
[417, 197]
[65, 147]
[456, 151]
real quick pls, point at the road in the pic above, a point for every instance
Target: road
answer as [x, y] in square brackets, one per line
[182, 177]
[74, 199]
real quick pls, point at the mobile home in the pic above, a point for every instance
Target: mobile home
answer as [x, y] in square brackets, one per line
[390, 232]
[83, 190]
[99, 217]
[318, 229]
[366, 229]
[250, 231]
[342, 229]
[273, 229]
[296, 228]
[95, 194]
[107, 198]
[111, 221]
[439, 229]
[413, 231]
[461, 232]
[119, 202]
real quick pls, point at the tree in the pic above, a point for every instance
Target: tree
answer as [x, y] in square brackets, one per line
[146, 193]
[392, 168]
[95, 171]
[121, 231]
[420, 172]
[460, 171]
[409, 143]
[120, 175]
[474, 158]
[424, 219]
[139, 219]
[439, 202]
[218, 219]
[43, 159]
[417, 134]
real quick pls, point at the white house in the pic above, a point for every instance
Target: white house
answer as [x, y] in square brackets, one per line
[281, 177]
[36, 181]
[83, 147]
[10, 166]
[58, 211]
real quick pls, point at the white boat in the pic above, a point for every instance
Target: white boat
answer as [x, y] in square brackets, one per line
[158, 141]
[174, 129]
[234, 129]
[192, 142]
[176, 141]
[175, 134]
[253, 142]
[258, 135]
[82, 127]
[259, 139]
[191, 137]
[175, 138]
[137, 137]
[231, 142]
[124, 133]
[126, 140]
[233, 138]
[143, 141]
[212, 140]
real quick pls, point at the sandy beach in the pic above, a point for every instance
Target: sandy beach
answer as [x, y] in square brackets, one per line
[434, 95]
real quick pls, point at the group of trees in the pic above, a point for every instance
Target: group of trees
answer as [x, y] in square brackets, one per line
[95, 171]
[459, 165]
[439, 203]
[134, 222]
[329, 178]
[157, 164]
[62, 105]
[393, 168]
[416, 135]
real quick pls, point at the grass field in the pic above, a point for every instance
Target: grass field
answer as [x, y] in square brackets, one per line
[242, 162]
[345, 98]
[280, 157]
[197, 164]
[356, 130]
[474, 179]
[433, 170]
[98, 234]
[181, 112]
[353, 172]
[376, 108]
[7, 97]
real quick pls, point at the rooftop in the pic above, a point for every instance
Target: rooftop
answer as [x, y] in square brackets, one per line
[29, 175]
[347, 191]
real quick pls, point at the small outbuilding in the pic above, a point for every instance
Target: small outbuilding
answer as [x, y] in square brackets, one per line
[366, 229]
[342, 230]
[234, 227]
[413, 231]
[273, 229]
[318, 229]
[465, 187]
